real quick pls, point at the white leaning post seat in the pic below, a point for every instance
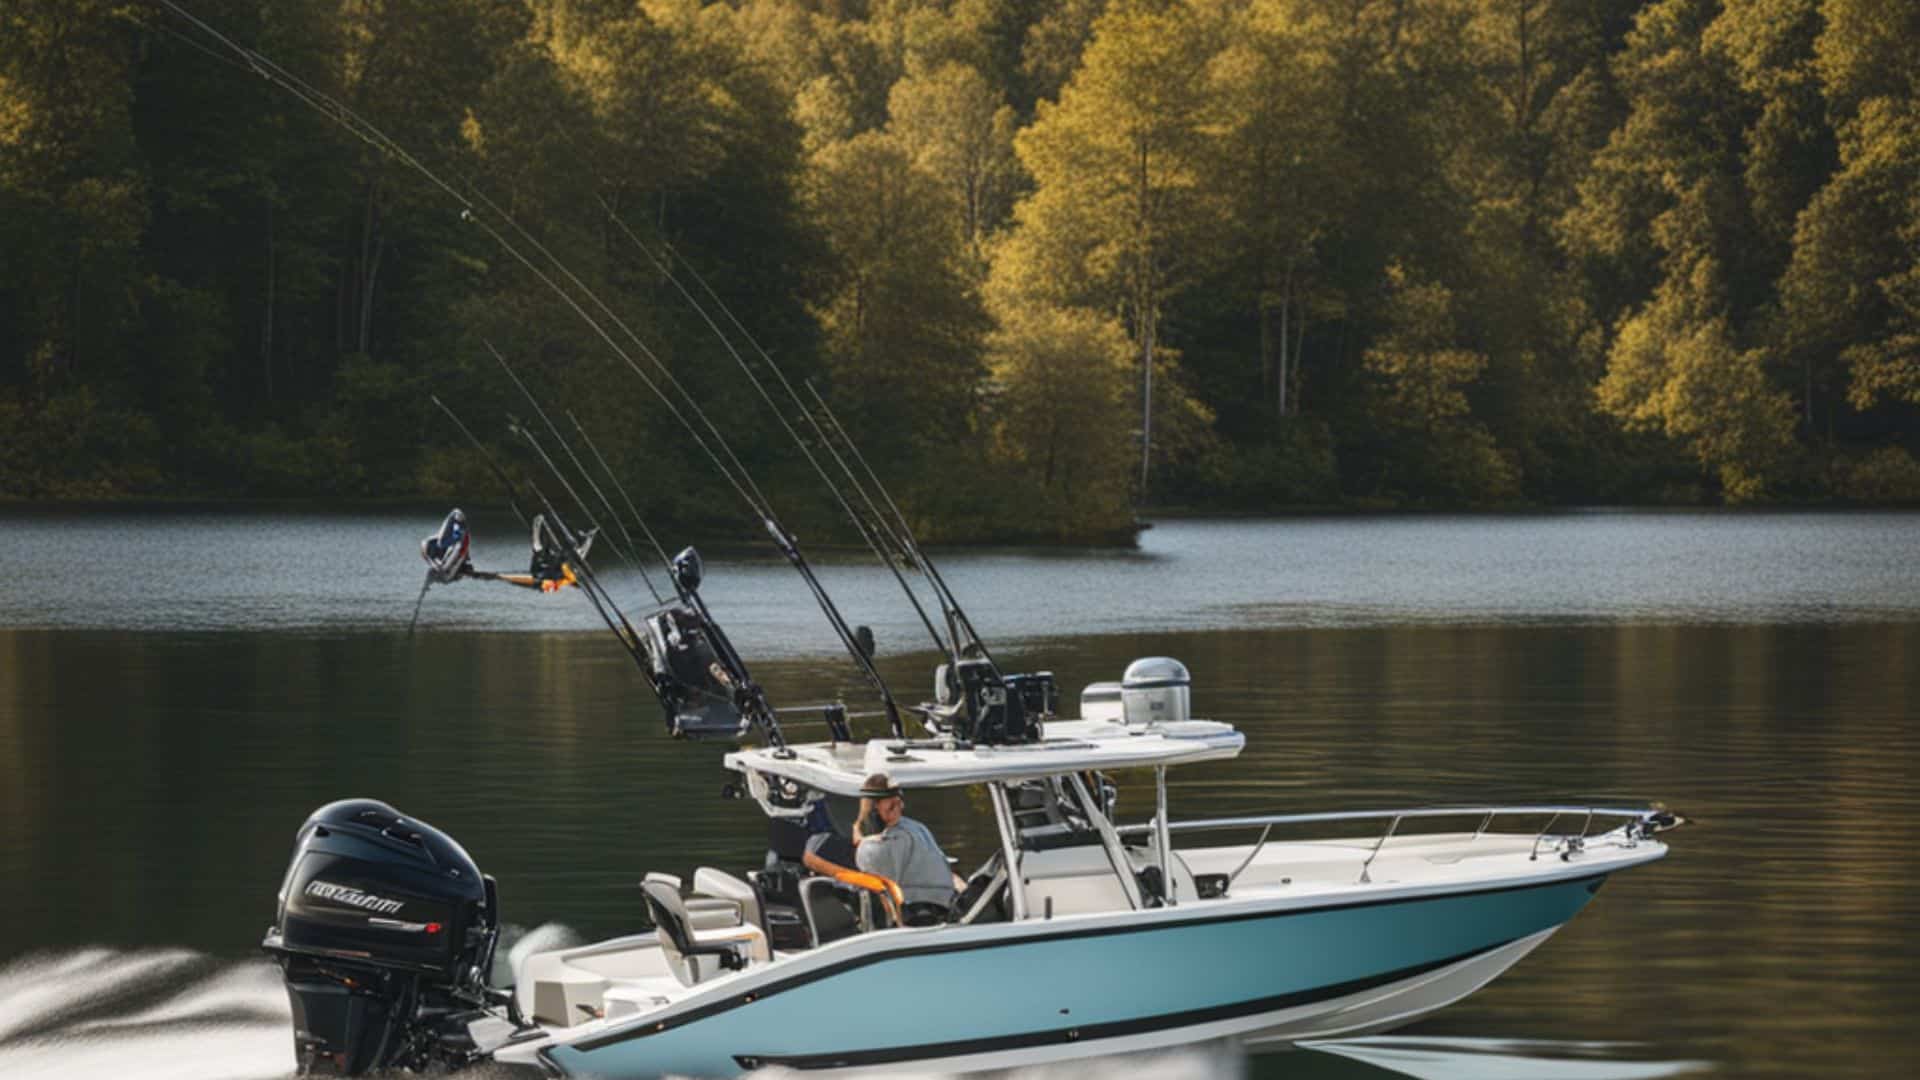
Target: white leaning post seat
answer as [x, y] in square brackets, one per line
[697, 955]
[720, 885]
[703, 913]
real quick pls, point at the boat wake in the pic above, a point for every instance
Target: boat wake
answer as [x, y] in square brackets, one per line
[177, 1014]
[159, 1014]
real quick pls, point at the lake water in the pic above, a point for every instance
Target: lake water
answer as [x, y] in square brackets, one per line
[177, 691]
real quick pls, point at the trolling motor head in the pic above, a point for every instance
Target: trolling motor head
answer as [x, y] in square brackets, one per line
[688, 570]
[446, 550]
[702, 685]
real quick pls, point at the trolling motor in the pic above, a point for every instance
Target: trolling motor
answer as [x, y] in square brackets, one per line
[701, 682]
[385, 933]
[447, 550]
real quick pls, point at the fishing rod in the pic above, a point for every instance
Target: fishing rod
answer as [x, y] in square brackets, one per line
[955, 613]
[564, 483]
[903, 539]
[367, 132]
[617, 486]
[862, 525]
[857, 646]
[414, 622]
[745, 694]
[557, 531]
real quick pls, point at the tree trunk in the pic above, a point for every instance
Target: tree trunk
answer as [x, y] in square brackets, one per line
[1280, 394]
[369, 266]
[1266, 345]
[1146, 405]
[1809, 384]
[1143, 303]
[366, 298]
[266, 318]
[1299, 344]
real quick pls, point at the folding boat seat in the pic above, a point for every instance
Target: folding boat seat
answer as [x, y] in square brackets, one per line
[703, 912]
[696, 955]
[713, 888]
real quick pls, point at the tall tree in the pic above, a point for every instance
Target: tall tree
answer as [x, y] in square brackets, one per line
[901, 314]
[959, 128]
[1281, 160]
[1852, 291]
[1119, 205]
[1060, 414]
[1667, 201]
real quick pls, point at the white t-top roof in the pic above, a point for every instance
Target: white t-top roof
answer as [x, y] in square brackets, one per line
[1069, 746]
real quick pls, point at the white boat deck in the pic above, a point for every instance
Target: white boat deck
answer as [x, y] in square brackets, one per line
[578, 991]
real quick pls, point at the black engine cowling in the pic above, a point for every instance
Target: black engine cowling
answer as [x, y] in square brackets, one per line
[385, 931]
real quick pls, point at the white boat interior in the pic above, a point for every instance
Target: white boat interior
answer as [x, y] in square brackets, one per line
[718, 934]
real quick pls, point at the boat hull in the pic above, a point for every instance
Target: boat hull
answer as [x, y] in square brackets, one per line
[996, 997]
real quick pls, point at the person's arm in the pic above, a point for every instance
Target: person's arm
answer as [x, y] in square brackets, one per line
[821, 866]
[819, 847]
[860, 821]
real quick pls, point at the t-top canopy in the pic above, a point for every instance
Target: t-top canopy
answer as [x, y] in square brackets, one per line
[1070, 746]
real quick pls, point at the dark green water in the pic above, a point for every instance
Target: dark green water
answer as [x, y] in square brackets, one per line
[178, 691]
[151, 783]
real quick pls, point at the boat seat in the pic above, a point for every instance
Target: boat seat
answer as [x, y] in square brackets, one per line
[712, 912]
[833, 910]
[696, 955]
[711, 885]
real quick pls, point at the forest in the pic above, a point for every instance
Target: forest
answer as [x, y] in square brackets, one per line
[1054, 263]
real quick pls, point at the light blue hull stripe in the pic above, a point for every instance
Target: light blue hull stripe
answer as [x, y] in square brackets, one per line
[1087, 983]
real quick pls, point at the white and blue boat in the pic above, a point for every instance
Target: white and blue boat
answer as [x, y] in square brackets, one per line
[1085, 935]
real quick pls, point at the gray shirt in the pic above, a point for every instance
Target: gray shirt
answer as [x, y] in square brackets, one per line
[907, 852]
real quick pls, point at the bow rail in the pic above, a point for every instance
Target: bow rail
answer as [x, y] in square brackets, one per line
[1641, 822]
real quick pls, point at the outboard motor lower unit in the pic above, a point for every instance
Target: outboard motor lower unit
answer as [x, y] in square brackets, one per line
[385, 932]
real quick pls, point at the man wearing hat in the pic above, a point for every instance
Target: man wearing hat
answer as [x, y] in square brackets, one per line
[903, 850]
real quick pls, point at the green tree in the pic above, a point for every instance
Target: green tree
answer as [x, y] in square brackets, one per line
[1667, 203]
[1060, 413]
[1286, 170]
[1119, 205]
[959, 128]
[1852, 290]
[1422, 379]
[1674, 368]
[901, 316]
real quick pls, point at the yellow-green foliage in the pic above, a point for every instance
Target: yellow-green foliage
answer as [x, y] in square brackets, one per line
[1459, 251]
[1887, 475]
[1061, 411]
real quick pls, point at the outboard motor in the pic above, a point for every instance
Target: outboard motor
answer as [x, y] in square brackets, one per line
[385, 932]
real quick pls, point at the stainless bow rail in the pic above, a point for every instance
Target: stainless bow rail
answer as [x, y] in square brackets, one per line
[1638, 820]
